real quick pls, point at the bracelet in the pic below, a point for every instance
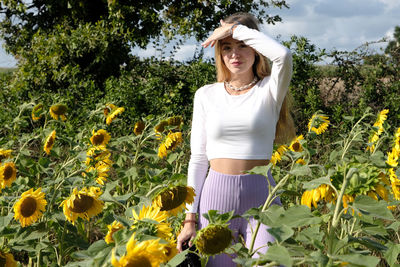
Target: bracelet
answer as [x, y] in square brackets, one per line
[233, 26]
[191, 221]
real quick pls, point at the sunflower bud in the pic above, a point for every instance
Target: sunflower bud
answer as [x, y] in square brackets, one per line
[139, 127]
[213, 239]
[36, 112]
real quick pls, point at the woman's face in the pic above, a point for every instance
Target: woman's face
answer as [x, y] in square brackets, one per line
[237, 56]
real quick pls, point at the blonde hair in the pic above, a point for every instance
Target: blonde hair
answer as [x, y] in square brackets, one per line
[285, 129]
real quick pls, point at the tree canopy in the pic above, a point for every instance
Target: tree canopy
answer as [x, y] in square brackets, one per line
[139, 21]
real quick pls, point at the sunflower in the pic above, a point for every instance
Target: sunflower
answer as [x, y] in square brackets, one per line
[346, 199]
[175, 121]
[8, 174]
[171, 142]
[101, 170]
[110, 117]
[170, 250]
[49, 143]
[396, 142]
[382, 116]
[7, 259]
[97, 154]
[152, 212]
[5, 154]
[29, 208]
[295, 145]
[100, 138]
[174, 199]
[318, 123]
[371, 142]
[160, 127]
[108, 109]
[213, 239]
[160, 229]
[301, 162]
[148, 253]
[277, 155]
[58, 110]
[37, 112]
[84, 204]
[112, 228]
[323, 192]
[138, 128]
[393, 158]
[162, 151]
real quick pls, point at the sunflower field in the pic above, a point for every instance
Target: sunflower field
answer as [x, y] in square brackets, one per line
[88, 197]
[94, 148]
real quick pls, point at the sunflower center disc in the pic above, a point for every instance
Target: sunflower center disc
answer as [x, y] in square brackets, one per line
[28, 207]
[98, 139]
[296, 147]
[82, 204]
[140, 261]
[8, 172]
[173, 198]
[50, 142]
[59, 109]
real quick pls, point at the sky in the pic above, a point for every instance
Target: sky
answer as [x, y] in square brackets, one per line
[330, 24]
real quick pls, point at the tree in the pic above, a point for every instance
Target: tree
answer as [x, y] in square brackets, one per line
[79, 44]
[394, 45]
[139, 20]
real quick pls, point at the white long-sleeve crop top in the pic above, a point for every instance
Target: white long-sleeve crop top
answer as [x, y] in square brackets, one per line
[238, 126]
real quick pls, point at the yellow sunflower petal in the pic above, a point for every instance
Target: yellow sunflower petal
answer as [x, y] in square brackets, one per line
[30, 207]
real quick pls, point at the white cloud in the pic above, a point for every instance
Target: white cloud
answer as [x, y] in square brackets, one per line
[390, 4]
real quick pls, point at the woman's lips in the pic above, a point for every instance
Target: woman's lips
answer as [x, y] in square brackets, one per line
[236, 63]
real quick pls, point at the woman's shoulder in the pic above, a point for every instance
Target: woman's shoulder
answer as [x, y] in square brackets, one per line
[208, 89]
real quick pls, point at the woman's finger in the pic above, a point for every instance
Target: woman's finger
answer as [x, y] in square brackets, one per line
[191, 241]
[179, 245]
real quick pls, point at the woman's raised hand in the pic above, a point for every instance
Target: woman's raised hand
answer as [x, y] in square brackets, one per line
[219, 33]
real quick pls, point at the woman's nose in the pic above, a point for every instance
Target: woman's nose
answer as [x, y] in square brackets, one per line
[235, 52]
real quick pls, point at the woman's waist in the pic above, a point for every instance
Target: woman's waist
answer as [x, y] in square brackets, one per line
[236, 166]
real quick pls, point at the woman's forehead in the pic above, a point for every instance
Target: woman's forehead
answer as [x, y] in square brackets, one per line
[230, 40]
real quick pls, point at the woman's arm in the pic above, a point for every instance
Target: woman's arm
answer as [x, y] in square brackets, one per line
[198, 166]
[280, 56]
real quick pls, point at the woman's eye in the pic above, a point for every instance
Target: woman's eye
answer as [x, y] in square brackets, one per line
[243, 46]
[226, 48]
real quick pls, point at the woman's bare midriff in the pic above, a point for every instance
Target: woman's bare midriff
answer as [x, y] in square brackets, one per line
[236, 166]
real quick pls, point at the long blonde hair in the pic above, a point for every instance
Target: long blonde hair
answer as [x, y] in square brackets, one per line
[285, 129]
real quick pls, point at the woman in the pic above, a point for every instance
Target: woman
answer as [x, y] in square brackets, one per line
[235, 122]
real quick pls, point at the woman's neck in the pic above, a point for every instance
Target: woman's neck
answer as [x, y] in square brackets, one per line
[241, 80]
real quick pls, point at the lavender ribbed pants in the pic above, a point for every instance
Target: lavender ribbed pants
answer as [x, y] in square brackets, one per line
[225, 192]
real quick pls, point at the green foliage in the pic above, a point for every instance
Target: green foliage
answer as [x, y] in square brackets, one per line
[304, 84]
[159, 87]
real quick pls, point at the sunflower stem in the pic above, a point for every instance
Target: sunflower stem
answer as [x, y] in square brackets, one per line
[61, 254]
[38, 258]
[88, 232]
[267, 203]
